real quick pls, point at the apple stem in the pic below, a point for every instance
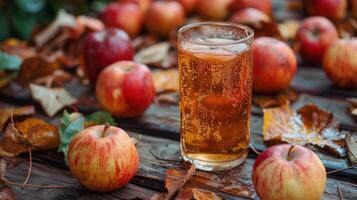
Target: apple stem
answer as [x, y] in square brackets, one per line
[105, 130]
[289, 152]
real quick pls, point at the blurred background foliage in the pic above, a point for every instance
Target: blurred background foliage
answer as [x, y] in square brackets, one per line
[18, 18]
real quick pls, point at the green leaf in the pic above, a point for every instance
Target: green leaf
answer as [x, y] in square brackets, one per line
[101, 117]
[71, 125]
[9, 62]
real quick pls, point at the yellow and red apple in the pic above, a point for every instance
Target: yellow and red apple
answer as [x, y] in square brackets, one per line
[288, 172]
[340, 63]
[103, 158]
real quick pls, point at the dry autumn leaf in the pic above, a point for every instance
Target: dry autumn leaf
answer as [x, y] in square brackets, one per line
[308, 125]
[351, 143]
[63, 19]
[175, 179]
[56, 79]
[289, 28]
[353, 107]
[52, 100]
[266, 101]
[34, 133]
[5, 113]
[18, 48]
[166, 80]
[34, 68]
[153, 54]
[196, 194]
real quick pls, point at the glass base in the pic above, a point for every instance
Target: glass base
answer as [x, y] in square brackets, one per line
[204, 165]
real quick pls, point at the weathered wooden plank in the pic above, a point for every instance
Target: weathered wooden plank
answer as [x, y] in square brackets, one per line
[151, 174]
[314, 81]
[50, 175]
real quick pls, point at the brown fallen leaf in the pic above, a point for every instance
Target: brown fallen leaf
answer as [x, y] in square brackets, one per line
[266, 101]
[166, 80]
[52, 100]
[63, 19]
[174, 180]
[143, 41]
[353, 107]
[351, 143]
[17, 47]
[196, 194]
[153, 54]
[347, 28]
[34, 133]
[308, 125]
[57, 79]
[34, 68]
[5, 113]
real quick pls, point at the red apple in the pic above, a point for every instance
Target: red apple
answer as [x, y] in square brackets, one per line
[335, 10]
[164, 16]
[314, 36]
[103, 48]
[103, 158]
[288, 172]
[274, 65]
[188, 5]
[143, 4]
[126, 16]
[125, 89]
[340, 63]
[213, 9]
[262, 5]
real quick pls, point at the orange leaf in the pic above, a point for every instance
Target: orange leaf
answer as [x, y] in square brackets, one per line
[197, 194]
[308, 125]
[34, 68]
[5, 113]
[166, 80]
[36, 133]
[175, 179]
[266, 101]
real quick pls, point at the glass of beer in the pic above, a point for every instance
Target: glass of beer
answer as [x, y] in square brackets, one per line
[215, 66]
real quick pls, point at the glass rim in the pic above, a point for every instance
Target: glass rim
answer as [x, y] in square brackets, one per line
[230, 24]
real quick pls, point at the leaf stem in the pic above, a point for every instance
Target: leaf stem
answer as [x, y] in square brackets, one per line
[30, 168]
[289, 152]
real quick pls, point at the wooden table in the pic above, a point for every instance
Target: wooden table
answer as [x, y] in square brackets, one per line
[159, 150]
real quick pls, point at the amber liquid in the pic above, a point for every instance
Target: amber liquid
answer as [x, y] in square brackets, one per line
[215, 101]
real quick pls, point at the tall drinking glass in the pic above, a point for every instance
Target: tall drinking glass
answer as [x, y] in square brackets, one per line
[215, 67]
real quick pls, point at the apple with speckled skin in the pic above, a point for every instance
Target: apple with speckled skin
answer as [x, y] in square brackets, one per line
[340, 63]
[288, 172]
[334, 10]
[103, 48]
[125, 89]
[315, 35]
[103, 158]
[274, 65]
